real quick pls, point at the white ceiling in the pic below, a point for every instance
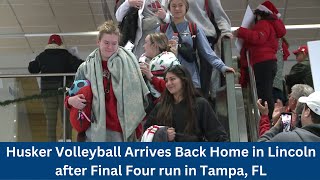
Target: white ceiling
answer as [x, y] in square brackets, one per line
[20, 17]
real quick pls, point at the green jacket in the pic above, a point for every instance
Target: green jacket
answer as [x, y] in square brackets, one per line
[300, 73]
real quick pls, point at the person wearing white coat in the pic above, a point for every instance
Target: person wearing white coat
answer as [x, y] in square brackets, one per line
[197, 14]
[151, 14]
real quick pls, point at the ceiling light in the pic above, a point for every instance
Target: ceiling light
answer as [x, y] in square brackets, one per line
[294, 27]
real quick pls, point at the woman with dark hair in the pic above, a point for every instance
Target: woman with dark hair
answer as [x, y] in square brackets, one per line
[261, 43]
[186, 116]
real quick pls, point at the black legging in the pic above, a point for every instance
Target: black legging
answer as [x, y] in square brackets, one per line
[264, 74]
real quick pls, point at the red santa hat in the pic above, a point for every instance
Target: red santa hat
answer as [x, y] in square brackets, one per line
[268, 7]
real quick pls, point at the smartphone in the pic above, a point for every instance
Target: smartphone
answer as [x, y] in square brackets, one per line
[129, 46]
[286, 121]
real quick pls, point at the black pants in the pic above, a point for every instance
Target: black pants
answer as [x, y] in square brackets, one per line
[264, 74]
[278, 94]
[206, 70]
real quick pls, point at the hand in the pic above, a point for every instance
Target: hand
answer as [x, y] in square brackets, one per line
[278, 109]
[173, 46]
[77, 101]
[230, 69]
[145, 69]
[219, 43]
[279, 124]
[174, 51]
[230, 35]
[161, 13]
[136, 3]
[171, 134]
[172, 43]
[263, 109]
[235, 33]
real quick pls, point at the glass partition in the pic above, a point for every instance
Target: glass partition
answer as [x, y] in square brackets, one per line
[27, 115]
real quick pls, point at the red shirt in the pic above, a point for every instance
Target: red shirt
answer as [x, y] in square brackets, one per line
[112, 120]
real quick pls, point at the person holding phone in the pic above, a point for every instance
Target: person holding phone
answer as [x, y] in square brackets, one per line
[297, 91]
[157, 57]
[310, 120]
[151, 14]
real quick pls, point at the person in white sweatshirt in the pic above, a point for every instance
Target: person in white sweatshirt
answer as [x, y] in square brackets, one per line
[151, 14]
[198, 13]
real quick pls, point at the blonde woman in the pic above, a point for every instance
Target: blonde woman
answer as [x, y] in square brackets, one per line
[156, 59]
[119, 91]
[179, 9]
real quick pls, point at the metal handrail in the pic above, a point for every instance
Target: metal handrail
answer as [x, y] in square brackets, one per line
[253, 123]
[231, 97]
[35, 75]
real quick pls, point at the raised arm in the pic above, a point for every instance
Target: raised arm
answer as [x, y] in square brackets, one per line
[220, 17]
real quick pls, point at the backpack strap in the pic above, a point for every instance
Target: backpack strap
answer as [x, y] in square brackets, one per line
[206, 7]
[193, 31]
[213, 21]
[164, 27]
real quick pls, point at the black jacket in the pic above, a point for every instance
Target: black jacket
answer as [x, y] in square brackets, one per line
[54, 60]
[208, 127]
[300, 73]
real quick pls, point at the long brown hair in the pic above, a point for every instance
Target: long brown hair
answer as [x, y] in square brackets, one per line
[164, 115]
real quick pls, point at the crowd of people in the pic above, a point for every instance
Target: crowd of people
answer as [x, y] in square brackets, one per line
[164, 88]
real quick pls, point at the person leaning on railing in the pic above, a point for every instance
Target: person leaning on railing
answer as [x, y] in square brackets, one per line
[261, 43]
[193, 38]
[54, 59]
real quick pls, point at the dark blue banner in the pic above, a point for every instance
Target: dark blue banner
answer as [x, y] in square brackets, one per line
[160, 160]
